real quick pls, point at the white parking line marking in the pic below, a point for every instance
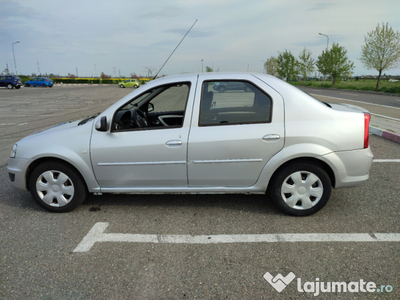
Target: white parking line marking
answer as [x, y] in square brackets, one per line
[96, 234]
[386, 160]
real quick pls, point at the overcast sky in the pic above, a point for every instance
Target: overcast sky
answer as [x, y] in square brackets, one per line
[131, 36]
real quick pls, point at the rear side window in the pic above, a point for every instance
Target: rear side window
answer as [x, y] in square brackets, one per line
[233, 102]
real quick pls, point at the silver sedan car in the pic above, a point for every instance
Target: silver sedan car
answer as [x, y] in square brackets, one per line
[177, 135]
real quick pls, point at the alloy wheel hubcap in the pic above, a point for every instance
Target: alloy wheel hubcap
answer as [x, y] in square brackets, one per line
[302, 190]
[55, 188]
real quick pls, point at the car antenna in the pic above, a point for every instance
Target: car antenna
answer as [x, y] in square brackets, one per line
[174, 49]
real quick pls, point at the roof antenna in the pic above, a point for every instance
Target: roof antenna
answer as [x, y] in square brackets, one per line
[174, 50]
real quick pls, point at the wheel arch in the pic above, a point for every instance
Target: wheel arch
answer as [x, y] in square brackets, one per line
[308, 160]
[41, 160]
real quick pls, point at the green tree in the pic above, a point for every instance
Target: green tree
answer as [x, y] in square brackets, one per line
[209, 69]
[381, 50]
[306, 63]
[271, 66]
[287, 65]
[334, 62]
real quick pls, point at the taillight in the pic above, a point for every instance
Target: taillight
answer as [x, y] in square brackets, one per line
[367, 118]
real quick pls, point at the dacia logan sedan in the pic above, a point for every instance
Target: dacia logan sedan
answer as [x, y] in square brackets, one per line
[176, 135]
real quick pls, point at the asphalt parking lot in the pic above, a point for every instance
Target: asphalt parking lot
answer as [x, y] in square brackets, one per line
[162, 246]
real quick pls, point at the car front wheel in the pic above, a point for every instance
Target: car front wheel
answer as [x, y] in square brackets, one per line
[300, 189]
[57, 187]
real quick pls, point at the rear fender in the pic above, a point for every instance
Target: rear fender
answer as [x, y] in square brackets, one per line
[288, 154]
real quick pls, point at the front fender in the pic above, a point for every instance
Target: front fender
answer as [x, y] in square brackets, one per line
[80, 161]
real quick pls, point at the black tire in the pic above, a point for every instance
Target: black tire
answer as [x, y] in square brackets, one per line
[9, 86]
[17, 87]
[222, 89]
[27, 85]
[66, 191]
[300, 189]
[121, 86]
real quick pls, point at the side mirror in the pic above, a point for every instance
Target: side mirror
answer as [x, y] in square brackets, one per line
[101, 125]
[150, 107]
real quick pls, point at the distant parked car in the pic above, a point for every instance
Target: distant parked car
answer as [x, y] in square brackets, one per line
[230, 85]
[129, 83]
[40, 81]
[10, 81]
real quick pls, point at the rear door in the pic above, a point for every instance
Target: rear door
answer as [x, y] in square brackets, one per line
[233, 134]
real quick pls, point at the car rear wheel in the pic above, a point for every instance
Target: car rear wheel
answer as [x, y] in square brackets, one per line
[57, 187]
[300, 189]
[222, 89]
[9, 86]
[121, 86]
[27, 85]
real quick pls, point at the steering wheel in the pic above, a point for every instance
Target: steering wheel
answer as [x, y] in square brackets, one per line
[138, 118]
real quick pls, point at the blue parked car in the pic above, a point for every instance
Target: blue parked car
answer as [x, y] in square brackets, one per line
[39, 81]
[10, 81]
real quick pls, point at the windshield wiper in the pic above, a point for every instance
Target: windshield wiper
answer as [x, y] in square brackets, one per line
[84, 121]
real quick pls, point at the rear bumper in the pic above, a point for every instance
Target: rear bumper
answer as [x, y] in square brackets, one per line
[351, 168]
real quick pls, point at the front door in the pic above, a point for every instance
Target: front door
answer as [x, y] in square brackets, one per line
[130, 157]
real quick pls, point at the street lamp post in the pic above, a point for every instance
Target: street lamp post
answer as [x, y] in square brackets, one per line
[15, 64]
[327, 42]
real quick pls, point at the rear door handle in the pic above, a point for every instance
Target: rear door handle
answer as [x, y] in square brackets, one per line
[271, 137]
[174, 143]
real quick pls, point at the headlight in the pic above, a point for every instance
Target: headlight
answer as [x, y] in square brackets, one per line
[14, 151]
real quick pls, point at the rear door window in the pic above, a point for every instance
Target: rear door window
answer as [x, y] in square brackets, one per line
[233, 102]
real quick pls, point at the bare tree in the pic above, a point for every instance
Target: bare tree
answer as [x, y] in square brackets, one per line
[381, 50]
[150, 71]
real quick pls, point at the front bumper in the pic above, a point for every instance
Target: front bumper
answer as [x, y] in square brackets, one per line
[17, 168]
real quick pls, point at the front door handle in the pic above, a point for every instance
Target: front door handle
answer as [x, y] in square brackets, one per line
[174, 143]
[271, 137]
